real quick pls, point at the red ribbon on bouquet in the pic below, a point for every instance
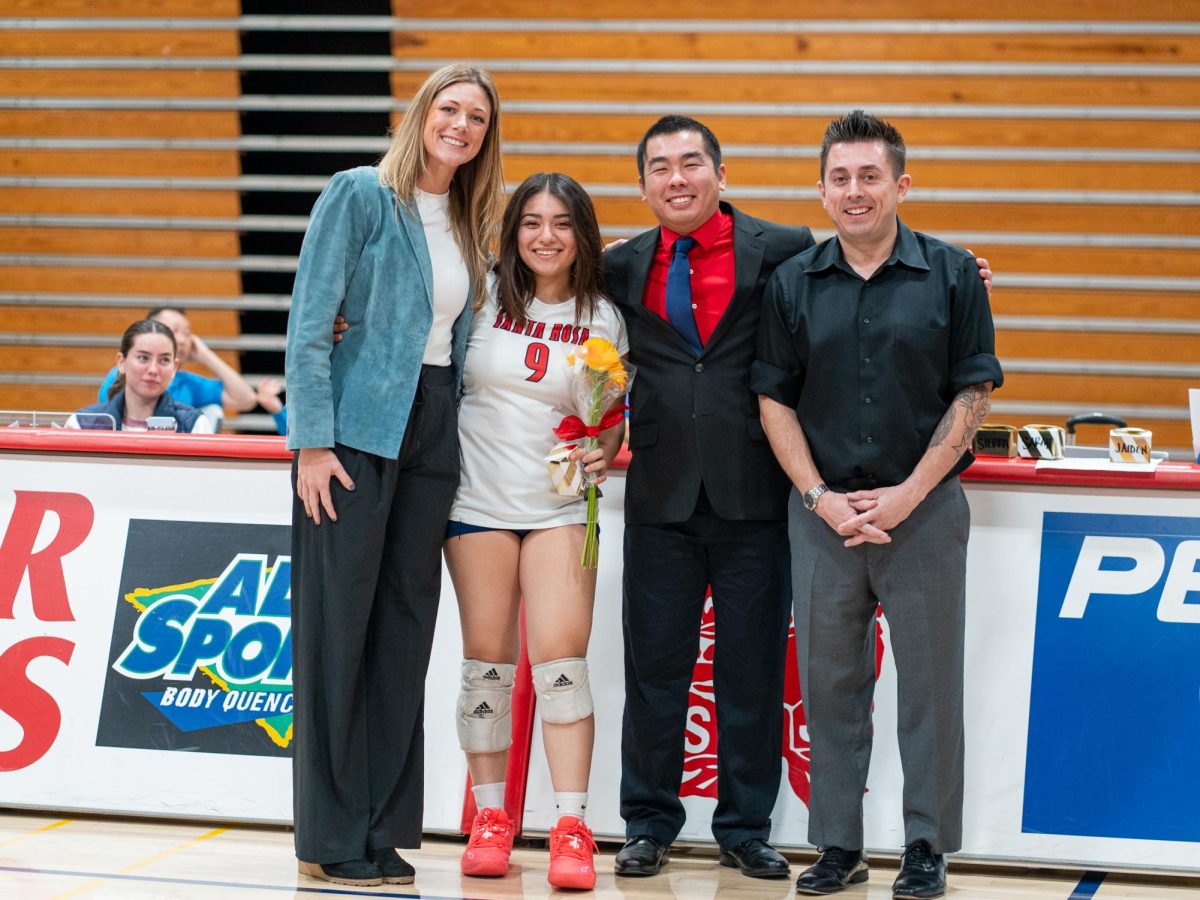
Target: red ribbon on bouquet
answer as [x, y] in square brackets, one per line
[572, 427]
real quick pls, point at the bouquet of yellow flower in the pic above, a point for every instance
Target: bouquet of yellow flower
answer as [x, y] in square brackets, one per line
[599, 381]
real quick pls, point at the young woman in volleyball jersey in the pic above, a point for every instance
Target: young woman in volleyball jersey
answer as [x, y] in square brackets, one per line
[511, 537]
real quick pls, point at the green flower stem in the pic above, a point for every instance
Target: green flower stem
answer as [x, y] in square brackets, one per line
[591, 544]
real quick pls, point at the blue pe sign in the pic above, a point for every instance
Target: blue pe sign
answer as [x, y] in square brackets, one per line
[1114, 712]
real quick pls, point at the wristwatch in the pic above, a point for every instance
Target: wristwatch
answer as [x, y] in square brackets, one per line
[812, 495]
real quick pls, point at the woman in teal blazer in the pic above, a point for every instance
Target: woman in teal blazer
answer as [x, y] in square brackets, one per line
[399, 250]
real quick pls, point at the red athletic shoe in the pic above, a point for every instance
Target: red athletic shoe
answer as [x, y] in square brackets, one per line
[571, 848]
[490, 844]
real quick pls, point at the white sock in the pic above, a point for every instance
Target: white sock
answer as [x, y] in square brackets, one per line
[489, 796]
[569, 804]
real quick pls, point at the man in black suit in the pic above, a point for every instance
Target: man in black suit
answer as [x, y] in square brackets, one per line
[705, 504]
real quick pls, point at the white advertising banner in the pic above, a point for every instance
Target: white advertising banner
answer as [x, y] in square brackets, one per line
[145, 665]
[108, 651]
[145, 656]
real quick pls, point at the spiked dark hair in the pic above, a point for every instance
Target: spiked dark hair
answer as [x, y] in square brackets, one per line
[860, 128]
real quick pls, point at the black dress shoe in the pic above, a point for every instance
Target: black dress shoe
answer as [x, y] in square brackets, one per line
[833, 872]
[642, 855]
[361, 872]
[756, 858]
[922, 873]
[395, 870]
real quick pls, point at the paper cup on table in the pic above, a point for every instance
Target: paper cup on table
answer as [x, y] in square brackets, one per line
[1129, 445]
[1194, 398]
[996, 440]
[1041, 441]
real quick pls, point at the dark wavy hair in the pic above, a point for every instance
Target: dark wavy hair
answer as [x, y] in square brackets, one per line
[140, 327]
[515, 281]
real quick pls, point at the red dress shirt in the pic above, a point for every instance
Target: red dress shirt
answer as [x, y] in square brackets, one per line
[712, 272]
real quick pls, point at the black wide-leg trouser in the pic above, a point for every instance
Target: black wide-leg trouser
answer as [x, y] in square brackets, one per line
[364, 603]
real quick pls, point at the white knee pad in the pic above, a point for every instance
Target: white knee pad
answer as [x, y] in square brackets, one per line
[563, 695]
[485, 706]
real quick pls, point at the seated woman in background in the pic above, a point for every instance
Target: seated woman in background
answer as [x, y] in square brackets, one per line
[209, 395]
[146, 364]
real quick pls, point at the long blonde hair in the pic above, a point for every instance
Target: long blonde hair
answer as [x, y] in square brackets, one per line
[476, 190]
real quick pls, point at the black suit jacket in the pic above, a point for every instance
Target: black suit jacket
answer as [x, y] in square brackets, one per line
[694, 419]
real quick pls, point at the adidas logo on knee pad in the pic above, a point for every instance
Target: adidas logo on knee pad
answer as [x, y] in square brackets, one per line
[563, 694]
[484, 704]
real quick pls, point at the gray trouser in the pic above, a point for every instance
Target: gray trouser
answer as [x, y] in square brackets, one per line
[365, 594]
[919, 579]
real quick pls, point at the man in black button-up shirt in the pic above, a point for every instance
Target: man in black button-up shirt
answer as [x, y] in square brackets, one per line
[875, 366]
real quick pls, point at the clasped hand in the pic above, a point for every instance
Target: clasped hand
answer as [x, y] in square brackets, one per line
[866, 517]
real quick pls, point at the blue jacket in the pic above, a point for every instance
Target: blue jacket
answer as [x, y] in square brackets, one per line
[185, 416]
[365, 256]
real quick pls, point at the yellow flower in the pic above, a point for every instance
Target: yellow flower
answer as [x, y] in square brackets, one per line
[603, 359]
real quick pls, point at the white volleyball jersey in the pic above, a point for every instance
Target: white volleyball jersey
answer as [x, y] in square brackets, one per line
[515, 392]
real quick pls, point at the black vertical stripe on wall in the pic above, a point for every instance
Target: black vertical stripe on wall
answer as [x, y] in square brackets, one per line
[316, 43]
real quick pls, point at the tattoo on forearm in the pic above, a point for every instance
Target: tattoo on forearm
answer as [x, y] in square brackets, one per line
[974, 401]
[977, 403]
[943, 428]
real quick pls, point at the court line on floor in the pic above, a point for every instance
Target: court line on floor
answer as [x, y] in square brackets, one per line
[293, 888]
[142, 863]
[21, 837]
[1088, 885]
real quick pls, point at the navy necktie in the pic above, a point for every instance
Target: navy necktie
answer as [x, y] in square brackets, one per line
[679, 293]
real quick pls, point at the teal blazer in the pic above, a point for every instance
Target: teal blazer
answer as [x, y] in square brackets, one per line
[364, 256]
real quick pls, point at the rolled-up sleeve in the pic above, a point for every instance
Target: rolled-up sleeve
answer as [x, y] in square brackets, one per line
[332, 244]
[778, 371]
[972, 333]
